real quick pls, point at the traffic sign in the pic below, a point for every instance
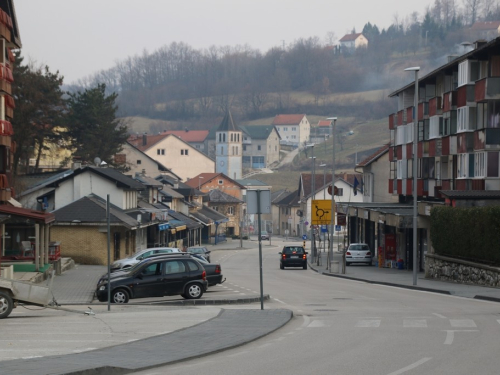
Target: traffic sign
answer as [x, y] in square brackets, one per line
[304, 237]
[338, 228]
[321, 212]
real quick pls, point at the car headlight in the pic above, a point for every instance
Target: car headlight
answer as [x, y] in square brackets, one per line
[102, 287]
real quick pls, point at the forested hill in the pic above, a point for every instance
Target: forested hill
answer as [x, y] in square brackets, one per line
[179, 83]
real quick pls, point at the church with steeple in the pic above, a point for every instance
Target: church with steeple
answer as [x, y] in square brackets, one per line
[229, 148]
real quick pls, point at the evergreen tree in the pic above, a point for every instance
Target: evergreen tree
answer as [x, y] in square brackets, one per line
[39, 110]
[93, 127]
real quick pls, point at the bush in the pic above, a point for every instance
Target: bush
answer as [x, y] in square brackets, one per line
[467, 233]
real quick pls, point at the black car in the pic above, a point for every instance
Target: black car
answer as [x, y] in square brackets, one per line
[293, 256]
[214, 270]
[201, 250]
[156, 277]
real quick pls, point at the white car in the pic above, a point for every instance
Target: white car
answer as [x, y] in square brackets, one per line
[123, 264]
[358, 253]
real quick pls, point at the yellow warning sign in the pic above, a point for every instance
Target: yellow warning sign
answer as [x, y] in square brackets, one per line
[321, 212]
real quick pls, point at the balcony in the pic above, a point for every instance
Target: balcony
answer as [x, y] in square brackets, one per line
[466, 96]
[423, 110]
[445, 146]
[392, 121]
[487, 89]
[435, 107]
[409, 114]
[450, 101]
[465, 143]
[401, 120]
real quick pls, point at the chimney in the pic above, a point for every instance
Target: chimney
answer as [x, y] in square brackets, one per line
[479, 43]
[76, 164]
[145, 139]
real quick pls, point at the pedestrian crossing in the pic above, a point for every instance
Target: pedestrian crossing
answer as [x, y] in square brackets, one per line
[406, 323]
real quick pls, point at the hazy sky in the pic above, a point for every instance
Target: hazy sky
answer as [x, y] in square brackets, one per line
[81, 37]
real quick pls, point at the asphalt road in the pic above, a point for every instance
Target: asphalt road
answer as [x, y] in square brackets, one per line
[349, 327]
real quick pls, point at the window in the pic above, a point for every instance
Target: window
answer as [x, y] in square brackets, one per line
[465, 165]
[409, 132]
[139, 161]
[193, 266]
[244, 147]
[258, 147]
[230, 210]
[340, 192]
[221, 182]
[400, 135]
[232, 137]
[152, 269]
[435, 127]
[492, 167]
[466, 119]
[174, 266]
[480, 164]
[160, 151]
[294, 129]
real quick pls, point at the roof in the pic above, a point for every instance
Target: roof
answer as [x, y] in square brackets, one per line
[248, 182]
[145, 141]
[324, 123]
[112, 174]
[161, 167]
[190, 136]
[39, 216]
[204, 178]
[92, 209]
[291, 199]
[278, 195]
[472, 54]
[258, 131]
[227, 123]
[191, 224]
[218, 196]
[373, 157]
[288, 119]
[49, 182]
[146, 180]
[490, 25]
[306, 181]
[168, 191]
[350, 37]
[206, 215]
[471, 194]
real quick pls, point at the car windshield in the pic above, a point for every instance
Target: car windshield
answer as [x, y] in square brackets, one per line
[196, 250]
[359, 247]
[293, 250]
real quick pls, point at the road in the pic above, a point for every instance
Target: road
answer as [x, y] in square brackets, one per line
[349, 327]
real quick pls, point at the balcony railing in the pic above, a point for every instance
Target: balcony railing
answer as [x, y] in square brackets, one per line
[465, 95]
[487, 89]
[450, 101]
[392, 121]
[409, 114]
[435, 107]
[423, 110]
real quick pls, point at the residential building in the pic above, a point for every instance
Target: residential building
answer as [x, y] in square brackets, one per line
[261, 146]
[350, 42]
[195, 138]
[286, 214]
[250, 220]
[324, 128]
[171, 151]
[230, 207]
[375, 174]
[137, 161]
[228, 148]
[294, 130]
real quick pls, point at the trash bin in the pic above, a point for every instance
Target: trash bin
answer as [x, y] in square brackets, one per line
[401, 264]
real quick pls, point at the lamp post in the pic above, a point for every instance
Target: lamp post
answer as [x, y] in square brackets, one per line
[330, 250]
[324, 179]
[313, 190]
[415, 159]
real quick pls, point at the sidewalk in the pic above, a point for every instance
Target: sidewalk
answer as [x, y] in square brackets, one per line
[404, 279]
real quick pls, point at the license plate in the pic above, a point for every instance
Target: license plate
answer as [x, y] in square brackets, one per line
[294, 256]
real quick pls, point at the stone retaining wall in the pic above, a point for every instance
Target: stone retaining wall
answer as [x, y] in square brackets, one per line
[460, 271]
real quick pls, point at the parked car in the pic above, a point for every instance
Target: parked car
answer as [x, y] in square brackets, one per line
[156, 277]
[140, 255]
[214, 270]
[293, 256]
[202, 250]
[264, 235]
[358, 253]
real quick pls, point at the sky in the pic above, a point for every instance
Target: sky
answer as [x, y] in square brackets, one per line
[79, 38]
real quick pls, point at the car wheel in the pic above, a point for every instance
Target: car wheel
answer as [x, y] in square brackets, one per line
[6, 305]
[119, 296]
[305, 266]
[347, 263]
[194, 291]
[282, 267]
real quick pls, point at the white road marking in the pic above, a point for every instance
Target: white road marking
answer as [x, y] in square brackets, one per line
[462, 323]
[439, 315]
[279, 301]
[411, 367]
[415, 323]
[316, 324]
[239, 353]
[498, 321]
[368, 323]
[450, 335]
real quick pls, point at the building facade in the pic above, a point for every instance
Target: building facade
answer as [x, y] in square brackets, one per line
[229, 148]
[294, 130]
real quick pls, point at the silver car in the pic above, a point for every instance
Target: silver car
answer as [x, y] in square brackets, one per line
[358, 253]
[132, 260]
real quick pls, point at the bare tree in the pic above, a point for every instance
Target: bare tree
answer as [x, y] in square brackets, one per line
[330, 38]
[471, 9]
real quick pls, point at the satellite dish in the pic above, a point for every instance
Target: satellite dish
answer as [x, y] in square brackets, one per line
[103, 163]
[97, 161]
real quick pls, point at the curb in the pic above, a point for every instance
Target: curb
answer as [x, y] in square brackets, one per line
[486, 298]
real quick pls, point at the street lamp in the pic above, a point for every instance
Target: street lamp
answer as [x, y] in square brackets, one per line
[330, 250]
[324, 179]
[313, 190]
[415, 157]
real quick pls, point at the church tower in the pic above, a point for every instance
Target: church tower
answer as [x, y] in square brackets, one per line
[229, 148]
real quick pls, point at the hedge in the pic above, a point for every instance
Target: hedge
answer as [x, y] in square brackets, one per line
[468, 233]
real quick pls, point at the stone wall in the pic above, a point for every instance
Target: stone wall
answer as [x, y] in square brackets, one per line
[460, 271]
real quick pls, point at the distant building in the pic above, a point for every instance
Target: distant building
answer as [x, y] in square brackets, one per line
[261, 146]
[353, 41]
[228, 148]
[293, 129]
[486, 30]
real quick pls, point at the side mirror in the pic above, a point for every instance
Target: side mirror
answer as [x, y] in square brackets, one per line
[140, 258]
[139, 276]
[306, 252]
[208, 252]
[279, 252]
